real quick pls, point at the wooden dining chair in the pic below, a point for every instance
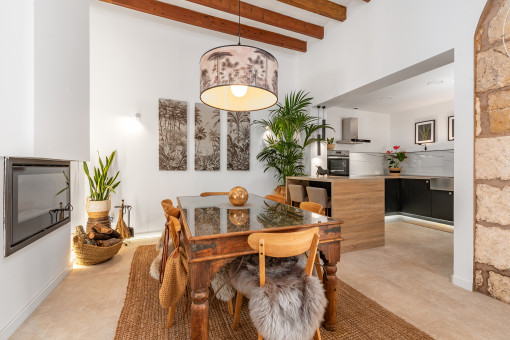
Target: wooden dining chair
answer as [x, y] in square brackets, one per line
[173, 212]
[219, 193]
[281, 245]
[169, 209]
[276, 198]
[312, 207]
[174, 227]
[318, 209]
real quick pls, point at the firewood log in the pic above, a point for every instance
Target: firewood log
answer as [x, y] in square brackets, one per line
[108, 243]
[101, 229]
[98, 236]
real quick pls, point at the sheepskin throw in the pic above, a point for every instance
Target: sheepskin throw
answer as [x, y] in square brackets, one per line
[154, 270]
[290, 306]
[221, 285]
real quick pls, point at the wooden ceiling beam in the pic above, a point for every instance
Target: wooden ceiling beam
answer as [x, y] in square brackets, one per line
[187, 16]
[265, 16]
[322, 7]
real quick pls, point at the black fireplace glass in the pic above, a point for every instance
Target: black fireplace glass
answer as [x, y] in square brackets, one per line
[37, 200]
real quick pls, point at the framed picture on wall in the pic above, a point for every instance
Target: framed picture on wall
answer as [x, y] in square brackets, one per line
[451, 128]
[424, 132]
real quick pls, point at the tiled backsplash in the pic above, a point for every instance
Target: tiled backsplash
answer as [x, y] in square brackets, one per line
[422, 163]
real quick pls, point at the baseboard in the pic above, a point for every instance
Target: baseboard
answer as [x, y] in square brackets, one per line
[462, 283]
[32, 305]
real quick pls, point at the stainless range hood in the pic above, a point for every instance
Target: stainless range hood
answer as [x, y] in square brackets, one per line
[350, 132]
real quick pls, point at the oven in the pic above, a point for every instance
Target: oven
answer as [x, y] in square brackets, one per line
[338, 162]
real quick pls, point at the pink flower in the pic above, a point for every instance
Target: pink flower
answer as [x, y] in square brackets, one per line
[396, 147]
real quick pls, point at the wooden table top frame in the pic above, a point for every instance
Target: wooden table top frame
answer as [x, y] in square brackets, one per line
[207, 254]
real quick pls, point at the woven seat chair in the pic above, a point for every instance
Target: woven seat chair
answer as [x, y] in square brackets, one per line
[276, 198]
[297, 193]
[282, 245]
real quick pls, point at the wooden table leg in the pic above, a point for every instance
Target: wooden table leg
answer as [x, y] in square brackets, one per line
[199, 277]
[331, 256]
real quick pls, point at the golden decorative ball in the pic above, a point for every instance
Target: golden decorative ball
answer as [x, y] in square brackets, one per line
[238, 196]
[239, 217]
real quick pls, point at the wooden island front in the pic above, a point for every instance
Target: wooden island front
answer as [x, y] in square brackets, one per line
[358, 202]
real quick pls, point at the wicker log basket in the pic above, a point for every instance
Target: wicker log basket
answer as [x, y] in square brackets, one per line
[87, 255]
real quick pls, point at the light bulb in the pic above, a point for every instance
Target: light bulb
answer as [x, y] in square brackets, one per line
[239, 90]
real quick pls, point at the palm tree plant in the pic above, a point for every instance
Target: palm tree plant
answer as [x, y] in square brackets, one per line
[292, 132]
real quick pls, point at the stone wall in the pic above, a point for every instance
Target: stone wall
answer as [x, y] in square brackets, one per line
[492, 153]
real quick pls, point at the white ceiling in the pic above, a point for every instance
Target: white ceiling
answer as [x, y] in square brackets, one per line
[409, 94]
[275, 6]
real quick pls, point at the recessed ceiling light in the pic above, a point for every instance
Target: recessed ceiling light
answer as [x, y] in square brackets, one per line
[435, 82]
[385, 98]
[355, 108]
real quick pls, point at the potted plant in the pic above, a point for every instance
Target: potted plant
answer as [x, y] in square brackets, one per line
[292, 130]
[101, 185]
[331, 143]
[395, 157]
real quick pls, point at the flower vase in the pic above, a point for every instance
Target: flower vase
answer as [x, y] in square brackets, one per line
[395, 172]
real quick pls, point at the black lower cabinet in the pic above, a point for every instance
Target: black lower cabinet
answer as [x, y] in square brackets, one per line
[442, 205]
[415, 197]
[392, 196]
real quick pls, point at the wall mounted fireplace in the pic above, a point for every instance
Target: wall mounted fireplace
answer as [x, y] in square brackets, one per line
[37, 200]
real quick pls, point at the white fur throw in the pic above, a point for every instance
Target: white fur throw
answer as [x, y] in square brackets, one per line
[290, 306]
[222, 277]
[154, 270]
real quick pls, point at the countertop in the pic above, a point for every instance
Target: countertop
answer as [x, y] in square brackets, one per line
[344, 178]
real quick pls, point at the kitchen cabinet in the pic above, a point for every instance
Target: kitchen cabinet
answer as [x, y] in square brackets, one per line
[392, 196]
[416, 197]
[442, 205]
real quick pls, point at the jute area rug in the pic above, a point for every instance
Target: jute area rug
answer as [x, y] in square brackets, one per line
[143, 318]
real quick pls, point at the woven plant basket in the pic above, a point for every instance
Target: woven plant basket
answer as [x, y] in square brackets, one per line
[87, 255]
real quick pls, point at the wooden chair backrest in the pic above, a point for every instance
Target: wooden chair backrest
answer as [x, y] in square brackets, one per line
[276, 198]
[175, 228]
[219, 193]
[285, 245]
[169, 209]
[312, 207]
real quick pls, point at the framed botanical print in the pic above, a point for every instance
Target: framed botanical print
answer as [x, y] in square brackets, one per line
[451, 128]
[424, 132]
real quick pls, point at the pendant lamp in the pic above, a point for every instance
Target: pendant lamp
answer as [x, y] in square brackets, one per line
[238, 77]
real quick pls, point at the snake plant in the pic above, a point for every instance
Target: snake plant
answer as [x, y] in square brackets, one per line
[101, 185]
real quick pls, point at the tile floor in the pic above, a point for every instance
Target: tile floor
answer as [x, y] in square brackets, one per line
[410, 276]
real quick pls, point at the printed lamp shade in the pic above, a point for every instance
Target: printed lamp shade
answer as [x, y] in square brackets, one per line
[238, 78]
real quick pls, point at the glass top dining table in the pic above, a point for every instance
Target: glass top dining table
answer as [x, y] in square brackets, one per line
[215, 215]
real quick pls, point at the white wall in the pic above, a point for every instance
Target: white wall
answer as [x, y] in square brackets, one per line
[371, 125]
[44, 82]
[402, 126]
[61, 79]
[30, 274]
[135, 60]
[44, 87]
[401, 34]
[16, 80]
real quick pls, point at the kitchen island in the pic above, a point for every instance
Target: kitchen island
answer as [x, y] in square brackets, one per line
[358, 202]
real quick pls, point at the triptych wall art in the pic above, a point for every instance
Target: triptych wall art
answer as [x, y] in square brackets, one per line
[173, 135]
[238, 145]
[173, 139]
[207, 138]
